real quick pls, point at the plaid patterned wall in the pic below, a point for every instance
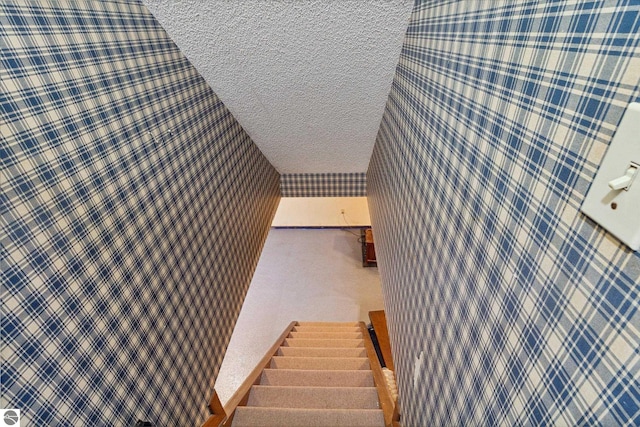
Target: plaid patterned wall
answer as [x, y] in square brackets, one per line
[134, 208]
[507, 305]
[323, 184]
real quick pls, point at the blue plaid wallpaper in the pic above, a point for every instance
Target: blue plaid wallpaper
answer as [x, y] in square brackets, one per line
[133, 211]
[506, 305]
[323, 184]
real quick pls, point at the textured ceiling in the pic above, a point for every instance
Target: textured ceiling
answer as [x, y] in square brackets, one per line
[308, 80]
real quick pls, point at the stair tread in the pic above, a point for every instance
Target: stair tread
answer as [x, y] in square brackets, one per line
[314, 397]
[326, 329]
[326, 335]
[333, 363]
[255, 416]
[317, 378]
[328, 324]
[304, 342]
[322, 351]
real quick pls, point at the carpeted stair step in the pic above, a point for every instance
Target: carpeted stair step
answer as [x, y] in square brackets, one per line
[329, 324]
[303, 342]
[320, 376]
[317, 378]
[326, 335]
[318, 363]
[322, 352]
[314, 397]
[326, 329]
[248, 416]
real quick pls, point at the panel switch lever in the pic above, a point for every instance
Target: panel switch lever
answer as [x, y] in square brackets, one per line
[624, 182]
[617, 210]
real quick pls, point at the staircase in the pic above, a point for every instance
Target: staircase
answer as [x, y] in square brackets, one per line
[319, 376]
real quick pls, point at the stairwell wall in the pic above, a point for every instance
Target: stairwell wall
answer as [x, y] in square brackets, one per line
[134, 209]
[506, 305]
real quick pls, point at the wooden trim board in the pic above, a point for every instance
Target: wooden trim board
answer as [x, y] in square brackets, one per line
[240, 397]
[386, 401]
[217, 410]
[379, 323]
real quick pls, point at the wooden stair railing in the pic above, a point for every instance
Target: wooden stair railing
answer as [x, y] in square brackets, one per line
[388, 408]
[379, 324]
[387, 403]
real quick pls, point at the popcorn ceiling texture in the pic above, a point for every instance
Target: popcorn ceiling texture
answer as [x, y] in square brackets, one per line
[307, 80]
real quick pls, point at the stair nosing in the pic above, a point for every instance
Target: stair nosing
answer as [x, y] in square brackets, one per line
[319, 410]
[287, 377]
[311, 386]
[323, 358]
[325, 348]
[324, 339]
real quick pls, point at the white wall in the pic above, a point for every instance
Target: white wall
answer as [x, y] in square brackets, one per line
[322, 212]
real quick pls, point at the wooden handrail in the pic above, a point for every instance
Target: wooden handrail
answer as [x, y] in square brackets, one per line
[384, 396]
[379, 323]
[241, 396]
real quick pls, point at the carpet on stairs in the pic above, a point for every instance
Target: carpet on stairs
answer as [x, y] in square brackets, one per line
[320, 376]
